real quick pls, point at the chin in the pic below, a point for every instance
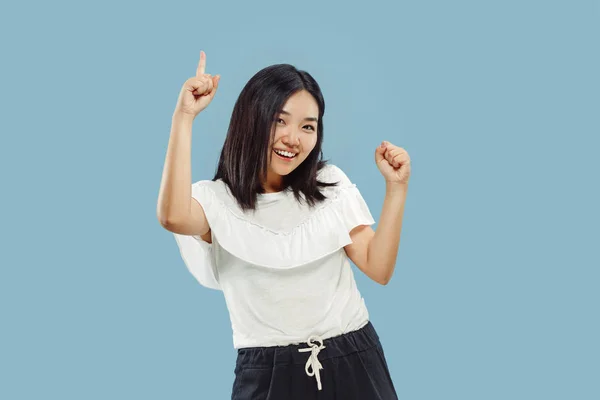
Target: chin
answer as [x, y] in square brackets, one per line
[283, 170]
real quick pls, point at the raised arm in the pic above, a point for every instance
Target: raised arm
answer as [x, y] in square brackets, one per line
[176, 210]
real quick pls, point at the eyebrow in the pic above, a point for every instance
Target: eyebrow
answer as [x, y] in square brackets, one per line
[305, 119]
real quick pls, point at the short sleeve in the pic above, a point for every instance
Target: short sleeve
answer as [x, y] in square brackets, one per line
[197, 254]
[351, 204]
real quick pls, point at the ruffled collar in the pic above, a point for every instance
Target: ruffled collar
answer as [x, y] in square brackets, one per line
[325, 229]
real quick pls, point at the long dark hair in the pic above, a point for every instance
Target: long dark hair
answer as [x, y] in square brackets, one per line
[244, 157]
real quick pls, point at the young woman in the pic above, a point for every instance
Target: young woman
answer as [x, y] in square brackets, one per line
[275, 229]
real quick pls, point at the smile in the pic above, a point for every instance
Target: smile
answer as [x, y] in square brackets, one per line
[284, 155]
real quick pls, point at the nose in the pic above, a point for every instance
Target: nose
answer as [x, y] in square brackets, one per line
[291, 138]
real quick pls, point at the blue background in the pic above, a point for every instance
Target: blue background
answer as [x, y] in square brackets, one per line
[495, 293]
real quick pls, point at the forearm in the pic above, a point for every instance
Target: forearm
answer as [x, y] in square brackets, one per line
[383, 247]
[174, 199]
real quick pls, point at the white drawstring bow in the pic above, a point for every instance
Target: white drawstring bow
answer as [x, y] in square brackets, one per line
[313, 362]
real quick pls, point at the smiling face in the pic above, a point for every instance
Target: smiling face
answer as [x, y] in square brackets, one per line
[295, 132]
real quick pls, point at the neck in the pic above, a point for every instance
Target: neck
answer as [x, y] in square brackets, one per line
[274, 182]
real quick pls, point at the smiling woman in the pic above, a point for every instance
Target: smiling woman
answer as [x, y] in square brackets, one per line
[273, 230]
[293, 138]
[284, 107]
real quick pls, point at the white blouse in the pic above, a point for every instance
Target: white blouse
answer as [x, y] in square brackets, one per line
[283, 270]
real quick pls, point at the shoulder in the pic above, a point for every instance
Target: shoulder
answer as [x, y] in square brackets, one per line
[332, 173]
[216, 187]
[209, 192]
[205, 183]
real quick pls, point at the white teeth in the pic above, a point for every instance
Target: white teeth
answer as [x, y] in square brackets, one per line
[285, 153]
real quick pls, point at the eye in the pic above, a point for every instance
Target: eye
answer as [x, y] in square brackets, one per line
[310, 126]
[279, 119]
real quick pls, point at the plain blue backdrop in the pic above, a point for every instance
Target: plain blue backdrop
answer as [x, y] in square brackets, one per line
[495, 293]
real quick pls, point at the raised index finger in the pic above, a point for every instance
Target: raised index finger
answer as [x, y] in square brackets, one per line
[201, 64]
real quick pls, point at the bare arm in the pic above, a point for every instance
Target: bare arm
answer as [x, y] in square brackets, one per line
[176, 210]
[382, 250]
[375, 252]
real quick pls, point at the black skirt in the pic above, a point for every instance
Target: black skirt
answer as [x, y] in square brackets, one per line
[351, 366]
